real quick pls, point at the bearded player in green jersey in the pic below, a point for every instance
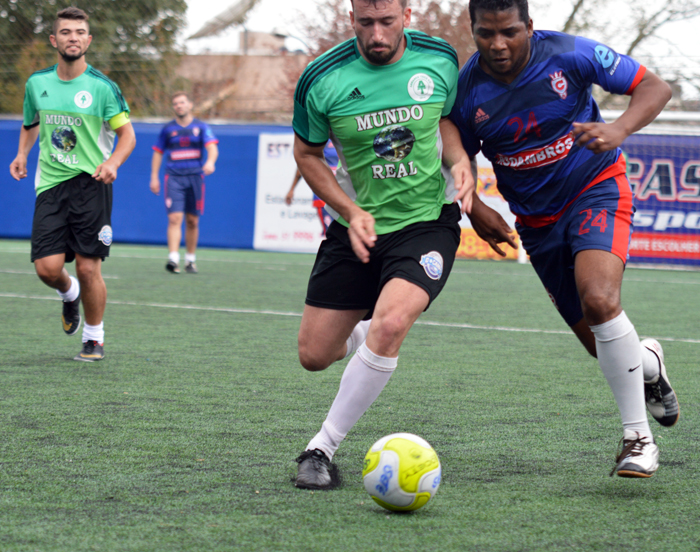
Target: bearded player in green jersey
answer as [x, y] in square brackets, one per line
[75, 111]
[380, 98]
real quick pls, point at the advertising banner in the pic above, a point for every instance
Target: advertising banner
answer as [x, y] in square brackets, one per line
[665, 175]
[278, 226]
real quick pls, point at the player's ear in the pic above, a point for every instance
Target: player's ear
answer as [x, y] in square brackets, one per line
[530, 28]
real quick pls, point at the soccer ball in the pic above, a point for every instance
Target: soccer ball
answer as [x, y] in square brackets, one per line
[401, 472]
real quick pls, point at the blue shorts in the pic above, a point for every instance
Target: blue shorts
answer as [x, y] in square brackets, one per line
[599, 218]
[184, 194]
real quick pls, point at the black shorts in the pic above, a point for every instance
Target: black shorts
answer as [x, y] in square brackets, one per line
[422, 253]
[73, 217]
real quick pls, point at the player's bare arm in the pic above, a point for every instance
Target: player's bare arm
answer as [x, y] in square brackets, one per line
[454, 156]
[490, 226]
[27, 138]
[321, 180]
[107, 171]
[156, 161]
[290, 194]
[212, 155]
[648, 99]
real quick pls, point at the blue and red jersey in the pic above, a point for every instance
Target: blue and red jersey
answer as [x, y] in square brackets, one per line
[524, 128]
[183, 147]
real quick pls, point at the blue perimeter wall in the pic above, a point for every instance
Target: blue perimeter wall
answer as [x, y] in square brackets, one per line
[138, 216]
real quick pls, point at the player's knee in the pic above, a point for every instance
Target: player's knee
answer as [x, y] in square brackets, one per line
[86, 271]
[311, 358]
[48, 274]
[390, 328]
[599, 306]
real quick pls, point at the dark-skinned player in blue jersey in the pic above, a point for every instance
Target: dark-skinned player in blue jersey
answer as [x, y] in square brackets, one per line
[524, 100]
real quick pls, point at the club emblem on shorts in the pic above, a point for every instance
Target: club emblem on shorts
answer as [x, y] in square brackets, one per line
[559, 84]
[83, 99]
[432, 263]
[63, 139]
[105, 235]
[420, 87]
[393, 143]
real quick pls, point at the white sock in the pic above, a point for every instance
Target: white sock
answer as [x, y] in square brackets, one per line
[73, 291]
[650, 364]
[363, 380]
[190, 257]
[174, 256]
[357, 337]
[94, 333]
[620, 359]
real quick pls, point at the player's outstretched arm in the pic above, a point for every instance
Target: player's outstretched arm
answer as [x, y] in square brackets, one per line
[107, 171]
[290, 194]
[490, 226]
[648, 99]
[322, 181]
[27, 138]
[454, 156]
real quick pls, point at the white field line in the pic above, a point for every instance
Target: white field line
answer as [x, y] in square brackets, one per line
[32, 273]
[298, 315]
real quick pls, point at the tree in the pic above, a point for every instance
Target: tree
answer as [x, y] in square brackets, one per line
[133, 43]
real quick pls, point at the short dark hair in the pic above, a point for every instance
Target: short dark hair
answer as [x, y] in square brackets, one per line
[179, 93]
[499, 5]
[73, 13]
[404, 3]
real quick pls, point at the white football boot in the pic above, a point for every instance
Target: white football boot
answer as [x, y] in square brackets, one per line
[639, 456]
[659, 395]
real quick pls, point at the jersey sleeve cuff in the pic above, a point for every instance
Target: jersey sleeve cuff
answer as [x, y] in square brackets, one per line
[637, 79]
[119, 120]
[27, 127]
[156, 148]
[210, 142]
[309, 143]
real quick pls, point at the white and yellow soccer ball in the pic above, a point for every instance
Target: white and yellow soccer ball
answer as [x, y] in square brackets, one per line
[402, 472]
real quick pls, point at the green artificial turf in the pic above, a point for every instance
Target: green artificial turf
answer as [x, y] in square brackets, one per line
[184, 437]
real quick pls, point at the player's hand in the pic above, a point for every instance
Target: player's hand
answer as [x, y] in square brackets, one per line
[208, 168]
[490, 226]
[18, 167]
[289, 197]
[361, 232]
[598, 137]
[155, 185]
[106, 172]
[464, 183]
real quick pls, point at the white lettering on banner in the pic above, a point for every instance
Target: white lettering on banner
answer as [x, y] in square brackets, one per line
[279, 150]
[63, 120]
[663, 220]
[535, 158]
[387, 117]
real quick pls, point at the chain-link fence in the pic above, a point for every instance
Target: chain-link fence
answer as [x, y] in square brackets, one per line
[133, 44]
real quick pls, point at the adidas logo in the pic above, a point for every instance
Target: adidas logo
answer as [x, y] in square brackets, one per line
[356, 95]
[44, 95]
[481, 116]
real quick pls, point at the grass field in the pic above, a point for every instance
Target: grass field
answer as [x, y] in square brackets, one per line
[184, 437]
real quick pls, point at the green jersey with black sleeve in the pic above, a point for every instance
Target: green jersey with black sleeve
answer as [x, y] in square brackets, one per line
[384, 122]
[76, 121]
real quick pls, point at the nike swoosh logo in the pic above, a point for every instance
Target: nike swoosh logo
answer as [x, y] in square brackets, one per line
[66, 326]
[633, 369]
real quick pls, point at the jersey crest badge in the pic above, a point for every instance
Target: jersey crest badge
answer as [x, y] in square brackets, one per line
[421, 87]
[432, 263]
[173, 133]
[105, 235]
[83, 99]
[559, 84]
[195, 131]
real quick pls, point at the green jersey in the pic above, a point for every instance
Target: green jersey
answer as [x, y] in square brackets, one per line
[76, 121]
[384, 122]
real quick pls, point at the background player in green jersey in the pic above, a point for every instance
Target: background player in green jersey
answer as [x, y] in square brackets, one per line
[380, 98]
[75, 111]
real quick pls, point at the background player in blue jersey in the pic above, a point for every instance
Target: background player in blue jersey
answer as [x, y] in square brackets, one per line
[331, 157]
[183, 141]
[524, 99]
